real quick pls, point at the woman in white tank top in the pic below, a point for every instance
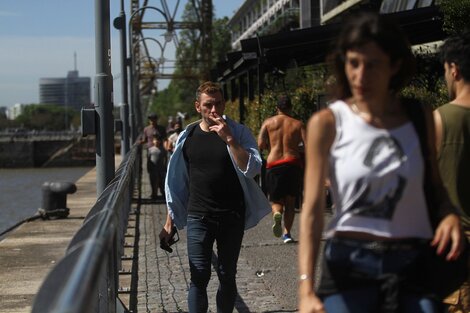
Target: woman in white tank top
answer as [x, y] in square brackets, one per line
[365, 144]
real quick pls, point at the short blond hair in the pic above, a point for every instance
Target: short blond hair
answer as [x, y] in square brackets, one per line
[208, 87]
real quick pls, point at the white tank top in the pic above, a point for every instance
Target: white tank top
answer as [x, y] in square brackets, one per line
[376, 179]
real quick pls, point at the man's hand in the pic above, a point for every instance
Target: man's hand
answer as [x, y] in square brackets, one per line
[449, 230]
[221, 128]
[165, 234]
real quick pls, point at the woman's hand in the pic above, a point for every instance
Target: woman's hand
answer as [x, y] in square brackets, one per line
[310, 303]
[449, 230]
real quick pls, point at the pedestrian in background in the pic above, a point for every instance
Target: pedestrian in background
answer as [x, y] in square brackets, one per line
[152, 131]
[171, 142]
[282, 135]
[453, 141]
[366, 145]
[157, 162]
[211, 190]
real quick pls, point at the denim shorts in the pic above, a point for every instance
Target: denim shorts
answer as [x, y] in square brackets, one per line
[388, 270]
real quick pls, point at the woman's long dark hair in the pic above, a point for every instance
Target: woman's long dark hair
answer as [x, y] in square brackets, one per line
[362, 28]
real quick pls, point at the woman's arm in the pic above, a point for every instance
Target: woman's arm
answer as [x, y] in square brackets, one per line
[320, 137]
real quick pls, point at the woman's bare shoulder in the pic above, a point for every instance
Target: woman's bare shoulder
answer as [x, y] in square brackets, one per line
[322, 120]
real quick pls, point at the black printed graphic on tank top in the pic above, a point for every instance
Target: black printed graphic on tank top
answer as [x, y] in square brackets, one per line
[372, 201]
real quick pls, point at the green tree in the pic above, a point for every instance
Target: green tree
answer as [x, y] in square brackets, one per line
[6, 123]
[456, 13]
[221, 43]
[46, 117]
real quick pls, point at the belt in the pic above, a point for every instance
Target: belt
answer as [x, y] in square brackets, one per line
[382, 246]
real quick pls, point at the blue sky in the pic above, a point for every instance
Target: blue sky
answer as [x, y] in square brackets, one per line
[38, 38]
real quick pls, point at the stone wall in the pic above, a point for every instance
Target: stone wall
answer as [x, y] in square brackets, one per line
[39, 153]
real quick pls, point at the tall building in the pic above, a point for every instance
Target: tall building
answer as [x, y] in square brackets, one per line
[72, 91]
[332, 10]
[263, 17]
[15, 111]
[266, 17]
[259, 55]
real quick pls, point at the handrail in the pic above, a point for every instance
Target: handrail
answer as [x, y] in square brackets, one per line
[86, 278]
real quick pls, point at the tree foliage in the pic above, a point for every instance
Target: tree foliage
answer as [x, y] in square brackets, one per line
[304, 85]
[456, 13]
[6, 123]
[47, 117]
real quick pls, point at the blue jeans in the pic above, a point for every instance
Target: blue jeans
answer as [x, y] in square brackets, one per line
[366, 300]
[202, 232]
[367, 277]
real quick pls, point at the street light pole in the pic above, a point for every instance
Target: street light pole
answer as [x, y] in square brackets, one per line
[103, 97]
[120, 23]
[135, 106]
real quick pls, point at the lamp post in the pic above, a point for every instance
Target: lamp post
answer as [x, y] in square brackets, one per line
[134, 90]
[154, 63]
[103, 97]
[148, 76]
[162, 47]
[120, 23]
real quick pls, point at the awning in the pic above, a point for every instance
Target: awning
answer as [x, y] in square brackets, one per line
[310, 46]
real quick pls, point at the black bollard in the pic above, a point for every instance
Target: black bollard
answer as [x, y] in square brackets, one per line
[54, 197]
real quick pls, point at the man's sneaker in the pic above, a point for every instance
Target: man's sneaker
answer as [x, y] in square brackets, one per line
[287, 238]
[277, 228]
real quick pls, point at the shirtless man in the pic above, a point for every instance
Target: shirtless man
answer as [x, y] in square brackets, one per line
[282, 135]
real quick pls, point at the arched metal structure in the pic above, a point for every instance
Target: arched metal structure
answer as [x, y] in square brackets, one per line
[143, 19]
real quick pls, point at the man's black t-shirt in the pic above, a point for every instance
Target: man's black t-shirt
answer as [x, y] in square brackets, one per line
[214, 188]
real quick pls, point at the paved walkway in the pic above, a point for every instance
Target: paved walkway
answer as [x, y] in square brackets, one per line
[266, 269]
[28, 253]
[164, 277]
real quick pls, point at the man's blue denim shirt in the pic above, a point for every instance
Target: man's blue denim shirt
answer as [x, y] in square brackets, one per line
[177, 179]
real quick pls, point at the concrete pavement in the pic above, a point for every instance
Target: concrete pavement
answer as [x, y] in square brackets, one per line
[267, 268]
[266, 278]
[29, 253]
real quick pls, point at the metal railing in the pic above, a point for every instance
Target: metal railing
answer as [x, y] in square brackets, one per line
[38, 135]
[86, 278]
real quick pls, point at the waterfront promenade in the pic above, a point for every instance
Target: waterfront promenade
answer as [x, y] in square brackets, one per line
[30, 251]
[266, 277]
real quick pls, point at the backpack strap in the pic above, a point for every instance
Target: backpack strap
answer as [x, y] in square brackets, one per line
[437, 200]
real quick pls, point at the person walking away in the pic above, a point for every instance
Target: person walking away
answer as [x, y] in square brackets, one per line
[365, 143]
[158, 159]
[153, 130]
[453, 142]
[283, 136]
[211, 190]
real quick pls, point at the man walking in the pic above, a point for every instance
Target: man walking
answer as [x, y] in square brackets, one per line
[211, 190]
[452, 122]
[155, 134]
[283, 136]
